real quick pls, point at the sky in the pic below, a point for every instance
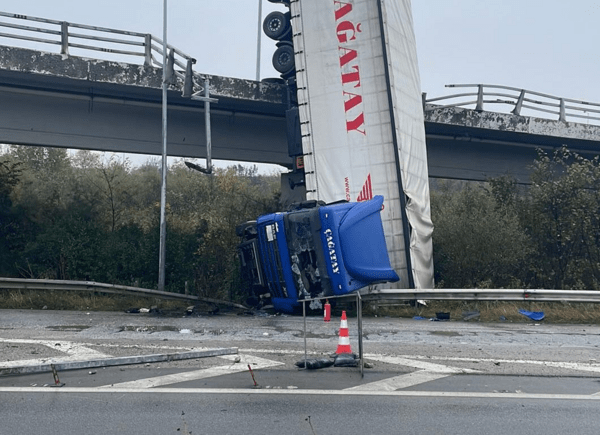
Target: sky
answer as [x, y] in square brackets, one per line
[548, 46]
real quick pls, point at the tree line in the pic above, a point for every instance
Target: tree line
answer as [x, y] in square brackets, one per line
[85, 217]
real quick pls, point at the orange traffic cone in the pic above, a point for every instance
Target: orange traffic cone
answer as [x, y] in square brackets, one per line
[344, 341]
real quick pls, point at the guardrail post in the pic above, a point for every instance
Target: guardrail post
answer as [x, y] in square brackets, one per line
[562, 116]
[479, 107]
[64, 38]
[188, 84]
[517, 109]
[148, 50]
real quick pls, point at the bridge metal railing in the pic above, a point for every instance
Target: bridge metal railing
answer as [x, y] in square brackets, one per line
[563, 109]
[121, 43]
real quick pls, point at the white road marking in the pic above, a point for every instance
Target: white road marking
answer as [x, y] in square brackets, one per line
[586, 367]
[75, 352]
[493, 396]
[421, 365]
[399, 382]
[255, 362]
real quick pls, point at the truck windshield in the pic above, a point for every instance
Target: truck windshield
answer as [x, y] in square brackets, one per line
[307, 260]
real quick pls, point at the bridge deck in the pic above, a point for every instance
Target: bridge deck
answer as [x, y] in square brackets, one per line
[54, 100]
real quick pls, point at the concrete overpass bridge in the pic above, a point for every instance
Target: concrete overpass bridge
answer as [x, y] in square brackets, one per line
[62, 100]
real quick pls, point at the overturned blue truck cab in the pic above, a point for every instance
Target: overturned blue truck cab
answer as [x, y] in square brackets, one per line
[314, 250]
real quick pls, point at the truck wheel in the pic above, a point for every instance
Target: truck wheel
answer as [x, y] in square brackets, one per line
[283, 59]
[276, 25]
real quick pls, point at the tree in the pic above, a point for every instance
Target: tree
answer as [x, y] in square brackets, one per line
[478, 239]
[563, 219]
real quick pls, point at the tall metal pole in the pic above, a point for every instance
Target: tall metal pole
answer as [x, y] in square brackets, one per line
[163, 186]
[258, 36]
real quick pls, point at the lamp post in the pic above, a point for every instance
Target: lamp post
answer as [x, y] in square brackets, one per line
[258, 36]
[163, 186]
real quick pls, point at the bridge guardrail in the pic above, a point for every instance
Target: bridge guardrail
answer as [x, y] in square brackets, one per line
[563, 108]
[523, 295]
[136, 44]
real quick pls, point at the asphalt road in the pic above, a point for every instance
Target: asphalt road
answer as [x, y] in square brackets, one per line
[422, 376]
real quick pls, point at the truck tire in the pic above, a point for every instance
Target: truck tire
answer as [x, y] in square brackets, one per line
[283, 59]
[277, 25]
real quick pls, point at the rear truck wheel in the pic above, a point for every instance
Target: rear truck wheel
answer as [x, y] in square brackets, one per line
[283, 59]
[277, 25]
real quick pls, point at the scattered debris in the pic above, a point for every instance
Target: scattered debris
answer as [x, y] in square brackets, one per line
[57, 382]
[419, 318]
[502, 319]
[470, 315]
[533, 315]
[442, 316]
[252, 373]
[185, 331]
[93, 372]
[368, 365]
[345, 360]
[314, 363]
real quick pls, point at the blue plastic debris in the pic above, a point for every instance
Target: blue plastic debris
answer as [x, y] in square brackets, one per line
[533, 315]
[419, 318]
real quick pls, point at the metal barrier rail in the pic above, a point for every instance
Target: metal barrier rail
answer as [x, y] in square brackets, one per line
[563, 108]
[523, 295]
[89, 286]
[60, 33]
[537, 295]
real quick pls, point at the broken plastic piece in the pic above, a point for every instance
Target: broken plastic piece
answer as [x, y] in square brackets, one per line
[533, 315]
[469, 315]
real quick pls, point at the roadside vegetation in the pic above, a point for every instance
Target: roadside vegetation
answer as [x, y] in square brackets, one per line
[83, 217]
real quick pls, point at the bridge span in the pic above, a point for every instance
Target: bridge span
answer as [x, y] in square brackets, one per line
[60, 100]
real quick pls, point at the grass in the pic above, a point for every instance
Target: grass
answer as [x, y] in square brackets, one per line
[555, 312]
[501, 311]
[82, 301]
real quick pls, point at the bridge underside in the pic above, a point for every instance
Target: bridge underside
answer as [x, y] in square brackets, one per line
[107, 106]
[46, 100]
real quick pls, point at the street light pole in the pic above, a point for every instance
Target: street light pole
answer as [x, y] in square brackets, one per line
[163, 186]
[258, 41]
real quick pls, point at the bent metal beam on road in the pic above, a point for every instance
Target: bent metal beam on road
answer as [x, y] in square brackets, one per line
[73, 102]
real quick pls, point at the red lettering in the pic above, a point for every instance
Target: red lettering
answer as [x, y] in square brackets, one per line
[352, 102]
[343, 29]
[343, 10]
[356, 123]
[352, 77]
[348, 56]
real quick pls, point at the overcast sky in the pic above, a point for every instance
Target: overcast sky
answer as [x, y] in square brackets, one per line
[549, 46]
